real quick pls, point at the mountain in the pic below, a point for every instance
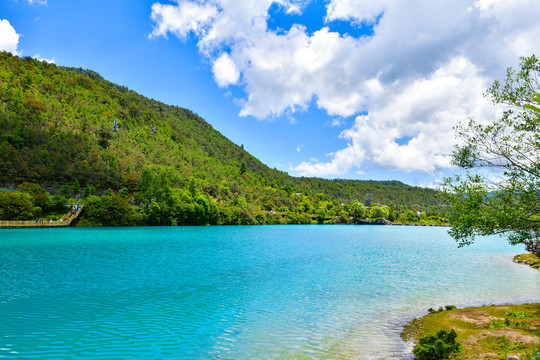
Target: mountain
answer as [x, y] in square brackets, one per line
[67, 126]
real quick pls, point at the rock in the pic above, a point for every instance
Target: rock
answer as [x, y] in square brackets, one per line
[512, 358]
[382, 221]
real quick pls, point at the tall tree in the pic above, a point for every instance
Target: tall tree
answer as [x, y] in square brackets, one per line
[500, 192]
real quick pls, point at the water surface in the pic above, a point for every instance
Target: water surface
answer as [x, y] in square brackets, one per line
[253, 292]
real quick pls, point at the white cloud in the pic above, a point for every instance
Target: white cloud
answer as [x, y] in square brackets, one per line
[225, 71]
[300, 147]
[183, 18]
[364, 11]
[9, 39]
[423, 69]
[424, 111]
[39, 2]
[38, 57]
[338, 122]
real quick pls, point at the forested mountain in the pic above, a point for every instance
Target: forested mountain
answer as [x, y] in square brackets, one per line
[66, 126]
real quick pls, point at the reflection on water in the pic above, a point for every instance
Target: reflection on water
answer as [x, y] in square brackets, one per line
[265, 292]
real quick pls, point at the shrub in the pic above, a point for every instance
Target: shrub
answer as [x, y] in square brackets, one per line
[437, 346]
[16, 206]
[378, 212]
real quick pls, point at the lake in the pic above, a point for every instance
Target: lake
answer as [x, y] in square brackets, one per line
[242, 292]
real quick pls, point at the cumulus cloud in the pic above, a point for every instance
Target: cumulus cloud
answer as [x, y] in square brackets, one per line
[40, 58]
[363, 11]
[423, 68]
[423, 112]
[225, 71]
[9, 39]
[183, 18]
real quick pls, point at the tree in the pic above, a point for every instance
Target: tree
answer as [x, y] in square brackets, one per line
[155, 185]
[38, 194]
[65, 191]
[15, 206]
[243, 167]
[76, 187]
[500, 191]
[89, 190]
[369, 199]
[321, 216]
[60, 203]
[357, 210]
[440, 345]
[378, 212]
[124, 193]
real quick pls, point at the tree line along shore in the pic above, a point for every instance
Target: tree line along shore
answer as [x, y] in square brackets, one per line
[168, 206]
[69, 128]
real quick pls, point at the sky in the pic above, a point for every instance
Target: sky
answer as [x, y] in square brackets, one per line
[356, 89]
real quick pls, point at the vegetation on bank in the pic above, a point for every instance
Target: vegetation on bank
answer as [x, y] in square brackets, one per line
[173, 206]
[68, 128]
[528, 259]
[487, 332]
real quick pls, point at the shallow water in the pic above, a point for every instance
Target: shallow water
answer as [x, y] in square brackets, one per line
[264, 292]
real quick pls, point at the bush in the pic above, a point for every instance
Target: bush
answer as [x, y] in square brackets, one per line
[378, 212]
[437, 346]
[16, 206]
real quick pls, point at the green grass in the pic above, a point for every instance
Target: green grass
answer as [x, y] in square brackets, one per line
[529, 259]
[487, 332]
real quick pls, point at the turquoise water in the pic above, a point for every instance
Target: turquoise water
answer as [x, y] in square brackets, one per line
[254, 292]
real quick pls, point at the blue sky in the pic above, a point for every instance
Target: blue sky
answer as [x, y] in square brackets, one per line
[332, 88]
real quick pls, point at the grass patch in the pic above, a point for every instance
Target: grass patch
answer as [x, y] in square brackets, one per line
[529, 259]
[503, 344]
[487, 332]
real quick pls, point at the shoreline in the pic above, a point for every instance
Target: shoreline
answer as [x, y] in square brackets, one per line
[486, 331]
[4, 225]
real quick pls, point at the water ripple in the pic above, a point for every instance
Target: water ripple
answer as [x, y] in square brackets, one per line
[238, 293]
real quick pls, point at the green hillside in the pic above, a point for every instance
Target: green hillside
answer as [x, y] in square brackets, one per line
[66, 126]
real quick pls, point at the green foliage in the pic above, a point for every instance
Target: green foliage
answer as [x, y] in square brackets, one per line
[378, 212]
[506, 200]
[109, 210]
[441, 309]
[243, 168]
[503, 344]
[65, 191]
[437, 346]
[496, 324]
[89, 190]
[70, 126]
[124, 193]
[369, 199]
[16, 206]
[76, 187]
[357, 210]
[38, 194]
[59, 203]
[321, 215]
[517, 314]
[409, 217]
